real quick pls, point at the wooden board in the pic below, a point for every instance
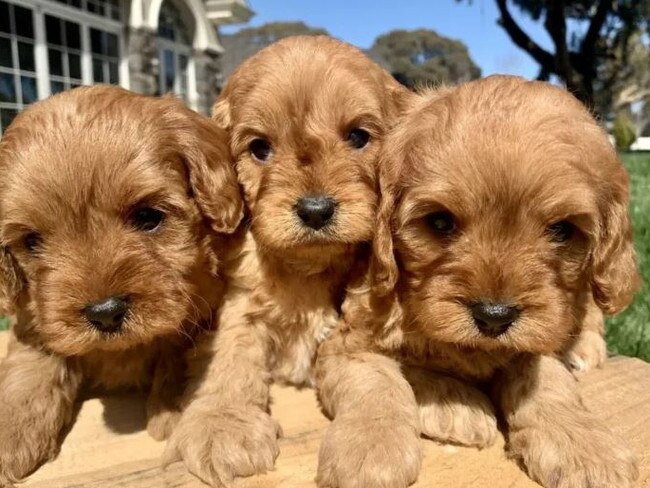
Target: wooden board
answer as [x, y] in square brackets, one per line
[108, 446]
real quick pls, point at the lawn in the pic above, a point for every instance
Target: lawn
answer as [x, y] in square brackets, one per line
[629, 332]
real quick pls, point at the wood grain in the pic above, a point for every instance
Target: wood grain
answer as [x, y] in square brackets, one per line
[108, 446]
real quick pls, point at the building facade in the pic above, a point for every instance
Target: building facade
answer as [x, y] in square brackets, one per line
[149, 46]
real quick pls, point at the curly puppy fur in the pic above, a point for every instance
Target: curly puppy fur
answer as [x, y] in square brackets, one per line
[298, 114]
[85, 175]
[500, 191]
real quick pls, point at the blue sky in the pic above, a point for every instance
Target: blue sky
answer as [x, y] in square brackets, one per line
[361, 21]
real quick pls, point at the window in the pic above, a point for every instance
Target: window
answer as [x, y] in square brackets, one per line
[18, 86]
[104, 8]
[175, 52]
[63, 53]
[105, 51]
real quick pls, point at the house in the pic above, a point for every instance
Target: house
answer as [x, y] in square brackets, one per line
[149, 46]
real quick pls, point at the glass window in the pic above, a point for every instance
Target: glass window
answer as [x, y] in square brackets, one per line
[104, 8]
[63, 53]
[105, 50]
[17, 67]
[175, 51]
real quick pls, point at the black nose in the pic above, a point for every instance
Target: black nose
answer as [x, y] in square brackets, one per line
[315, 211]
[107, 315]
[493, 319]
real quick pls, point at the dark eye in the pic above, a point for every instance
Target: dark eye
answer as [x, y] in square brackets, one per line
[561, 231]
[260, 149]
[441, 223]
[32, 241]
[147, 219]
[358, 138]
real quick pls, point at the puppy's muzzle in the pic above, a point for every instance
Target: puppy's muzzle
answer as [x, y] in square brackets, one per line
[315, 211]
[107, 315]
[493, 319]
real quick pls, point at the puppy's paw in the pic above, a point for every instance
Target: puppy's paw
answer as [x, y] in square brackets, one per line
[161, 424]
[221, 444]
[468, 424]
[588, 352]
[369, 453]
[25, 443]
[585, 459]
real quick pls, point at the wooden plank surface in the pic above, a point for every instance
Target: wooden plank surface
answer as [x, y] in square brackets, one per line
[108, 446]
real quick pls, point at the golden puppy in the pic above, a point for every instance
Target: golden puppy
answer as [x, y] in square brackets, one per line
[306, 118]
[109, 257]
[506, 208]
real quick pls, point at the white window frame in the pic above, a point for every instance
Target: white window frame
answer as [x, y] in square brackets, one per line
[86, 21]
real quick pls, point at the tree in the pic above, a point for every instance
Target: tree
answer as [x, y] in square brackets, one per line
[423, 57]
[586, 34]
[246, 42]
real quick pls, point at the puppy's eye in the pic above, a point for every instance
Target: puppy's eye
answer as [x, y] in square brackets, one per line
[561, 231]
[358, 138]
[442, 223]
[32, 242]
[260, 149]
[147, 219]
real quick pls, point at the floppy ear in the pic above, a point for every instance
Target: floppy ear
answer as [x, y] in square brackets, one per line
[615, 277]
[383, 266]
[212, 177]
[221, 113]
[11, 282]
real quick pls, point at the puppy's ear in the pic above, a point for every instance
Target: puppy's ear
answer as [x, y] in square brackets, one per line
[11, 282]
[615, 277]
[383, 266]
[221, 113]
[212, 177]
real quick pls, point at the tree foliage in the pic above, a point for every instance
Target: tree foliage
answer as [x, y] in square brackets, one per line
[248, 41]
[591, 41]
[422, 57]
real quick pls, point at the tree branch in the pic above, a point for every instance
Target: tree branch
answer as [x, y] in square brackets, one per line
[588, 45]
[555, 25]
[521, 39]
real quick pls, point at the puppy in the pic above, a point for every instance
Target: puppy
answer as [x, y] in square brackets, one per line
[113, 209]
[306, 118]
[506, 208]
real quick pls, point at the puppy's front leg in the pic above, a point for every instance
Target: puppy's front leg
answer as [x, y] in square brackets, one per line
[226, 431]
[561, 444]
[589, 349]
[163, 402]
[37, 395]
[373, 441]
[452, 410]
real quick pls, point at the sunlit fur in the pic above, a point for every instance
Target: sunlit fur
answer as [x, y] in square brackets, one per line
[508, 159]
[73, 169]
[303, 95]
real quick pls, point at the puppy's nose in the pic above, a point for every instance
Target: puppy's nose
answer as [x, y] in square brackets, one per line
[107, 315]
[493, 319]
[315, 210]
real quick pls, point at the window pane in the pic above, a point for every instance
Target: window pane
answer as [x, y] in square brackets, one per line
[115, 13]
[7, 88]
[56, 62]
[6, 116]
[4, 18]
[74, 85]
[30, 93]
[5, 53]
[96, 41]
[111, 44]
[24, 22]
[26, 56]
[56, 87]
[170, 71]
[98, 70]
[76, 3]
[113, 74]
[72, 35]
[53, 30]
[74, 65]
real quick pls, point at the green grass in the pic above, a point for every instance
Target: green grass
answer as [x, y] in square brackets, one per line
[629, 332]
